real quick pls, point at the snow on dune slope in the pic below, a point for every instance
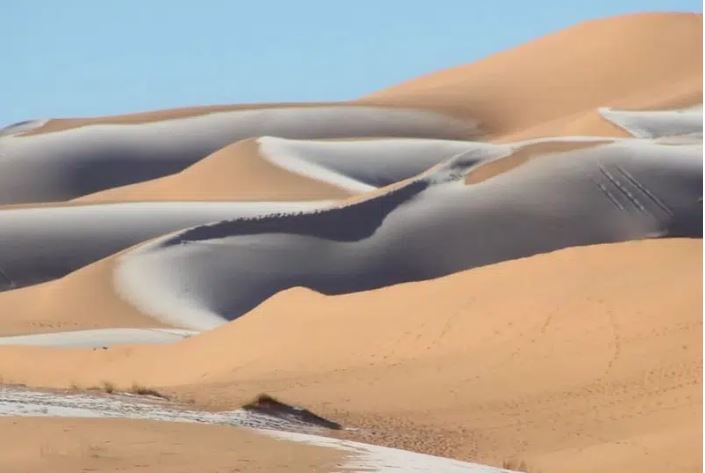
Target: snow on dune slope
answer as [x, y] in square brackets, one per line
[658, 123]
[270, 168]
[432, 226]
[43, 243]
[362, 165]
[66, 164]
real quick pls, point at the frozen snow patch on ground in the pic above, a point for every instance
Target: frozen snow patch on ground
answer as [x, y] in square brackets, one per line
[23, 402]
[99, 337]
[362, 457]
[366, 457]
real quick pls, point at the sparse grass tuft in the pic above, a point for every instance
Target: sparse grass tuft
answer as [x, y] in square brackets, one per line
[145, 391]
[262, 400]
[516, 465]
[108, 387]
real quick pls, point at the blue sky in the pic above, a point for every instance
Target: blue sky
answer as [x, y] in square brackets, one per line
[89, 57]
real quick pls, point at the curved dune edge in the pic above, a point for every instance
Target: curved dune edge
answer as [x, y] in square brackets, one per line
[523, 154]
[269, 168]
[556, 77]
[459, 351]
[65, 124]
[235, 172]
[653, 124]
[83, 300]
[60, 124]
[39, 244]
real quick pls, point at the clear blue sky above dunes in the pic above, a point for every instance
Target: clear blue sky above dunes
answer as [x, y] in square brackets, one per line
[88, 57]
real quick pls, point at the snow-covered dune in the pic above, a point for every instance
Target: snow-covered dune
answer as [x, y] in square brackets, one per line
[43, 243]
[445, 221]
[362, 165]
[65, 164]
[271, 168]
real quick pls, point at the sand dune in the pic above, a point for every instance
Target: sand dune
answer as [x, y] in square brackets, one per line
[235, 172]
[645, 61]
[608, 365]
[66, 164]
[271, 168]
[44, 243]
[609, 192]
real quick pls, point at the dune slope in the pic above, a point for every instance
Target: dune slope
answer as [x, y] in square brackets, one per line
[554, 85]
[66, 164]
[614, 362]
[270, 168]
[48, 242]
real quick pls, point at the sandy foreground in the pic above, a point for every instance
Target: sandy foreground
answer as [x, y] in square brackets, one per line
[406, 264]
[83, 445]
[615, 377]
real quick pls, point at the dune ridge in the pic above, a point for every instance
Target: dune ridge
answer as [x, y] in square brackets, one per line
[44, 243]
[523, 91]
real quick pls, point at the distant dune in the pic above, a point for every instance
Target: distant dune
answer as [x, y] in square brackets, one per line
[77, 161]
[270, 168]
[554, 85]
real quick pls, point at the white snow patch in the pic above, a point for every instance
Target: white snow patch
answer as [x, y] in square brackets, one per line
[99, 337]
[361, 165]
[373, 458]
[659, 123]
